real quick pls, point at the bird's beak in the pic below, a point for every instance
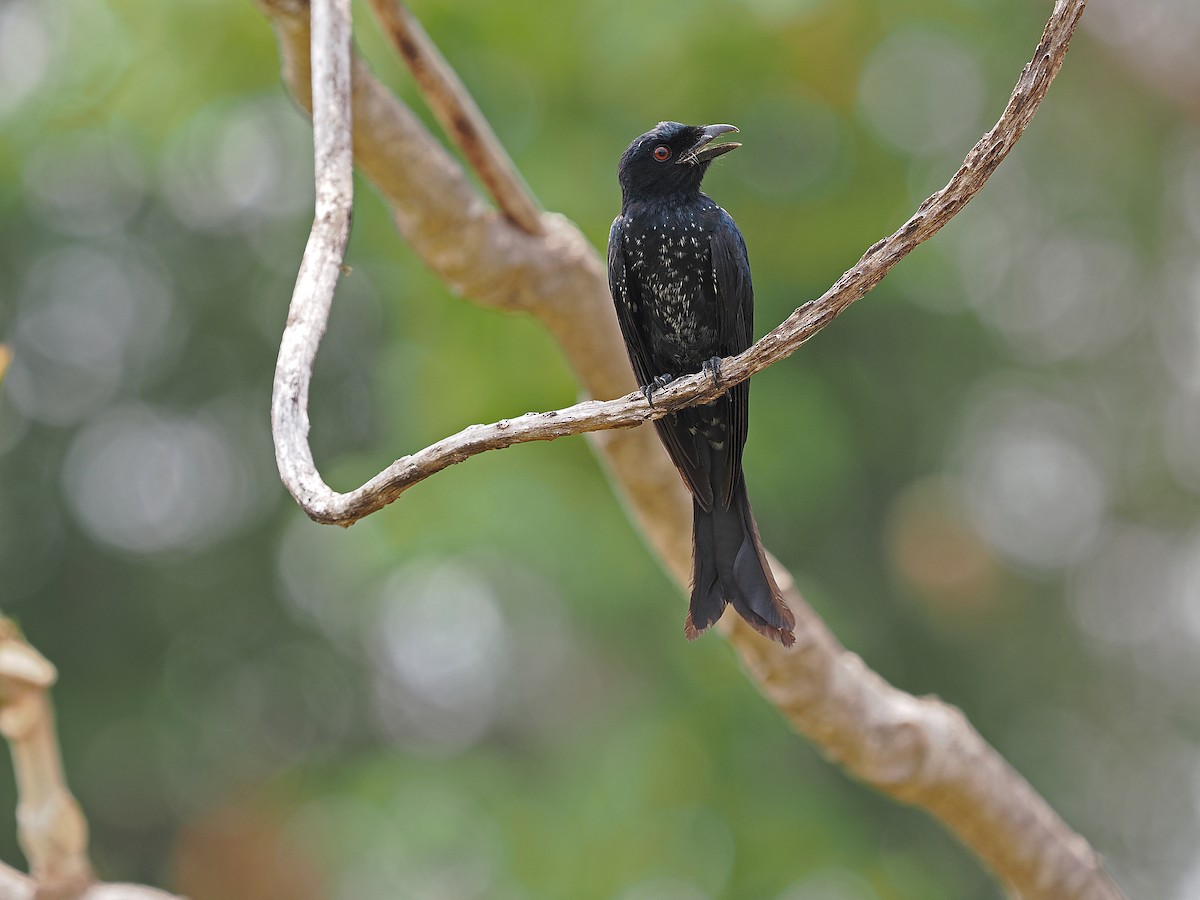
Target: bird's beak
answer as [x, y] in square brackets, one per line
[704, 149]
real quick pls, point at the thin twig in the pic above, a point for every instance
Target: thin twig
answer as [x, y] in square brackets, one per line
[458, 114]
[920, 751]
[50, 825]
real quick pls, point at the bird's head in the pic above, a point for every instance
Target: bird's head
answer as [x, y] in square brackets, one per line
[671, 159]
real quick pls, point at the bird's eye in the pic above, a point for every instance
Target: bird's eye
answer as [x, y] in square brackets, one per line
[662, 152]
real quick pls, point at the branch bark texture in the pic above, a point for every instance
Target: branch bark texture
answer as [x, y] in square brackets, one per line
[918, 750]
[458, 115]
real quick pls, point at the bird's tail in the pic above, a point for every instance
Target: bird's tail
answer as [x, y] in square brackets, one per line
[729, 565]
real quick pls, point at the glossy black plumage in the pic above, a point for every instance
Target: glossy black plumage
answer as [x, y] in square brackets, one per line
[680, 281]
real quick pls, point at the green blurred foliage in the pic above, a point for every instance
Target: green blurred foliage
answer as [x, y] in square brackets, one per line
[984, 475]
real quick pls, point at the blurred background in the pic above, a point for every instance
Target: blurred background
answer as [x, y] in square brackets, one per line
[986, 475]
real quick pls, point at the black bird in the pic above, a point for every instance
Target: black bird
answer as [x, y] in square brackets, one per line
[680, 281]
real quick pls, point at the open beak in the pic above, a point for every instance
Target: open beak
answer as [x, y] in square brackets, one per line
[704, 149]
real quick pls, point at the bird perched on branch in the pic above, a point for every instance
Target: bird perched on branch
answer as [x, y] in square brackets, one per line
[680, 281]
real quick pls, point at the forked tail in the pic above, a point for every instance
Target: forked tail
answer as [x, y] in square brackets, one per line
[729, 565]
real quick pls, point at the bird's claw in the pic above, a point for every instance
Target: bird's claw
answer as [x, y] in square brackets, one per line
[712, 368]
[659, 382]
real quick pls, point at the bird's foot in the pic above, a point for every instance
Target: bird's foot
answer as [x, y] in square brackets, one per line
[658, 383]
[712, 368]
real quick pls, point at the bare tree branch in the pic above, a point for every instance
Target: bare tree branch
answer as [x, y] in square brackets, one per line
[920, 751]
[457, 113]
[326, 247]
[50, 825]
[15, 885]
[924, 752]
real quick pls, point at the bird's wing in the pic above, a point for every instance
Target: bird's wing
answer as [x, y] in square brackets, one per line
[633, 319]
[735, 299]
[735, 293]
[627, 300]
